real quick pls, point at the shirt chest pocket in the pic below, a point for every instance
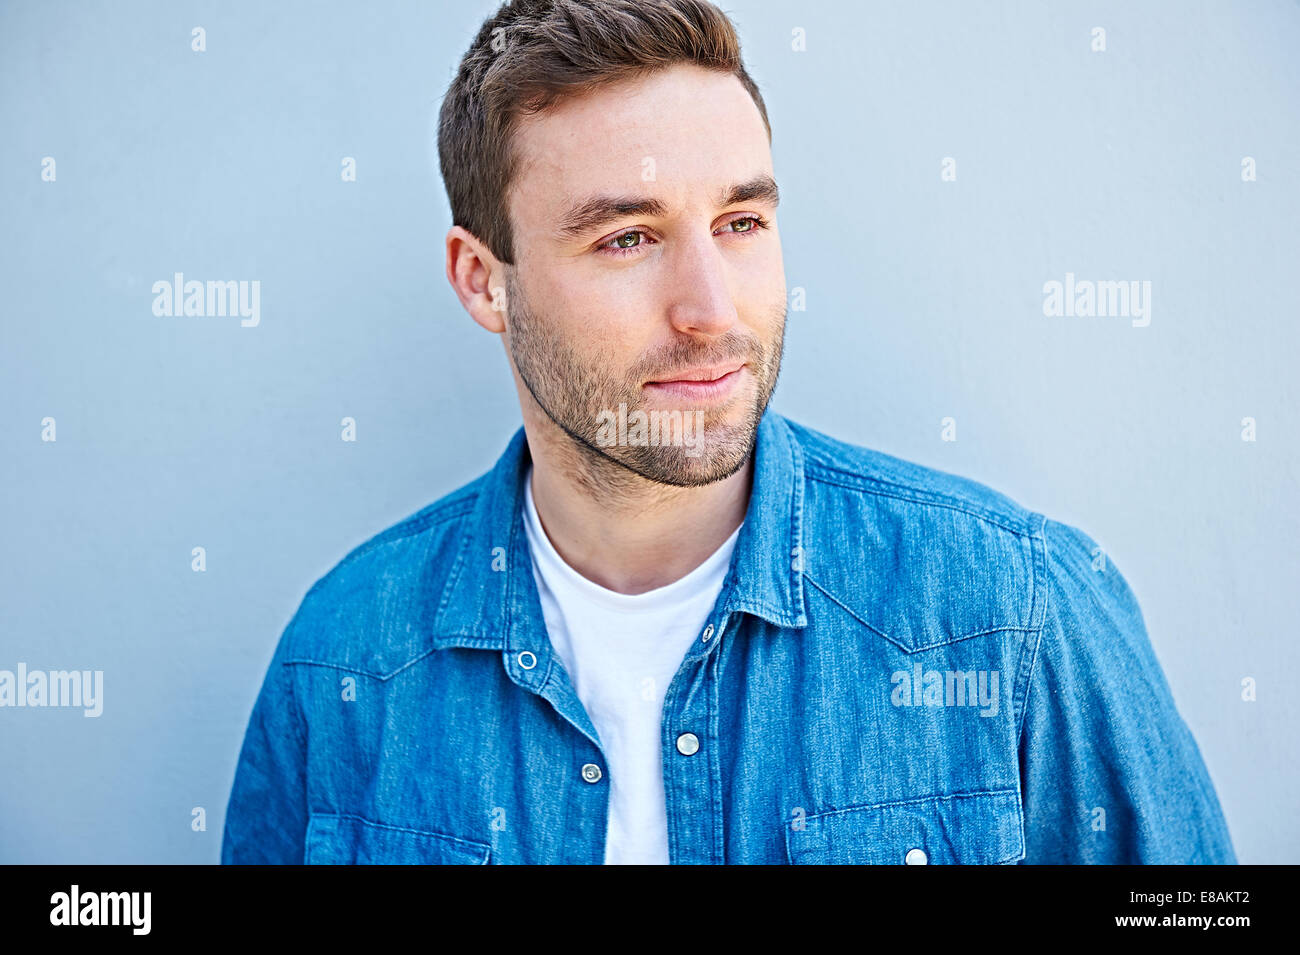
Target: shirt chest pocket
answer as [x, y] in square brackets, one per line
[967, 829]
[351, 840]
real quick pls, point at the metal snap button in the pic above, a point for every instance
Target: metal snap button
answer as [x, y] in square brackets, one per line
[688, 744]
[527, 659]
[591, 773]
[708, 632]
[916, 857]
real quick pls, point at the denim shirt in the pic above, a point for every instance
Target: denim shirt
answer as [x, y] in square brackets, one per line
[903, 667]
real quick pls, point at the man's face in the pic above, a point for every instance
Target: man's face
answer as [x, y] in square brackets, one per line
[672, 301]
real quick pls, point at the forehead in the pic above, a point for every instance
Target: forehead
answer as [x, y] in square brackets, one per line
[672, 133]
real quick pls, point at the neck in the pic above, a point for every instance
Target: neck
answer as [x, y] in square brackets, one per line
[618, 529]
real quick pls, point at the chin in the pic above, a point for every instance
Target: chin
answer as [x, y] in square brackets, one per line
[709, 462]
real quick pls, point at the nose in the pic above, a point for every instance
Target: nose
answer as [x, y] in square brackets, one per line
[700, 298]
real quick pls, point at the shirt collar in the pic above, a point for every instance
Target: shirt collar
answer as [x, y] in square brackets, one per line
[490, 589]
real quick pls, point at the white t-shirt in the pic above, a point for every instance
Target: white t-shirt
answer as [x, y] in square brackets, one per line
[621, 651]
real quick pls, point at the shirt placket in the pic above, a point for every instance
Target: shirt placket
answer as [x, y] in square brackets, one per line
[580, 803]
[692, 767]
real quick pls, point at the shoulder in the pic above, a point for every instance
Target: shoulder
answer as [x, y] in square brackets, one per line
[872, 481]
[928, 557]
[838, 469]
[364, 614]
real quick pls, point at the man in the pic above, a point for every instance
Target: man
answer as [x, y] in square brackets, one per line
[671, 625]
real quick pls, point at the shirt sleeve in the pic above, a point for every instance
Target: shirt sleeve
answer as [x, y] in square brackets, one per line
[266, 818]
[1110, 773]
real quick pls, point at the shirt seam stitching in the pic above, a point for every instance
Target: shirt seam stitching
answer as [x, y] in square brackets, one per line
[916, 495]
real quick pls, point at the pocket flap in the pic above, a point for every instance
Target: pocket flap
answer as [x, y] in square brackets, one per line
[350, 840]
[966, 829]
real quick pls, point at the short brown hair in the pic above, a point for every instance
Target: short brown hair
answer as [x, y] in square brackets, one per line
[531, 54]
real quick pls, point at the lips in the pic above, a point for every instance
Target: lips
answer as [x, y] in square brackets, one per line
[713, 373]
[698, 385]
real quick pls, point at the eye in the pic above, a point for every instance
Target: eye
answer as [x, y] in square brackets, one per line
[630, 242]
[750, 223]
[625, 243]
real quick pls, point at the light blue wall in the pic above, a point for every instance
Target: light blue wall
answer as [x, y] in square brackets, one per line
[924, 301]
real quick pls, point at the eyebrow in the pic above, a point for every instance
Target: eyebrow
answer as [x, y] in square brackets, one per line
[592, 213]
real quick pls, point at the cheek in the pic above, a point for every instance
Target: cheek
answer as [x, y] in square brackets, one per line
[761, 273]
[765, 295]
[608, 319]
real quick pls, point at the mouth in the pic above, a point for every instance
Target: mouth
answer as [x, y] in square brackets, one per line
[699, 384]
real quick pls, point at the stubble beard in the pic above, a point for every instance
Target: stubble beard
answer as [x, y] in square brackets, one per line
[573, 392]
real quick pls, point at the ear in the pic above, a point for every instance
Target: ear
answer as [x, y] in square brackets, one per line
[477, 278]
